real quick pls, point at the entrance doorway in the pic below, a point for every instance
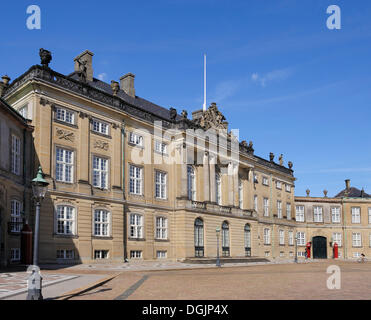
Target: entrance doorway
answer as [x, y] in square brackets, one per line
[319, 247]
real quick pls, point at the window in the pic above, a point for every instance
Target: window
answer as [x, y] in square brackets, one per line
[161, 228]
[288, 211]
[266, 207]
[199, 237]
[160, 147]
[65, 254]
[266, 253]
[291, 238]
[100, 127]
[256, 203]
[282, 237]
[65, 220]
[356, 240]
[135, 139]
[15, 254]
[64, 115]
[191, 180]
[16, 155]
[356, 254]
[247, 240]
[135, 185]
[161, 254]
[356, 215]
[288, 188]
[218, 189]
[335, 214]
[225, 239]
[369, 215]
[136, 226]
[278, 184]
[240, 193]
[279, 209]
[100, 172]
[265, 181]
[135, 254]
[100, 254]
[336, 238]
[318, 217]
[15, 216]
[301, 238]
[160, 184]
[24, 111]
[267, 236]
[256, 178]
[64, 165]
[300, 213]
[101, 223]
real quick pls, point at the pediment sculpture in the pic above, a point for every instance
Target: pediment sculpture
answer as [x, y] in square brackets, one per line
[212, 118]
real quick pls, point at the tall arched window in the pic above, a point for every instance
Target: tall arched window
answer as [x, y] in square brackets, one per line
[191, 181]
[247, 240]
[225, 239]
[218, 189]
[199, 237]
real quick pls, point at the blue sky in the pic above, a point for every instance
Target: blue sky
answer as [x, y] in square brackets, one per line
[282, 78]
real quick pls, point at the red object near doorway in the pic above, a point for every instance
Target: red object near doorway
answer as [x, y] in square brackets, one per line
[26, 245]
[307, 248]
[336, 251]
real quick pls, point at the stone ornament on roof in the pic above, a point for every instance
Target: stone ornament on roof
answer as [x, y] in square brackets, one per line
[45, 56]
[173, 114]
[212, 118]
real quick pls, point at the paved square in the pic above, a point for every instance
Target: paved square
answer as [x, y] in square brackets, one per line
[263, 282]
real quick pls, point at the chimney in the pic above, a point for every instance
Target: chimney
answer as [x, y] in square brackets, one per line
[347, 184]
[87, 57]
[127, 84]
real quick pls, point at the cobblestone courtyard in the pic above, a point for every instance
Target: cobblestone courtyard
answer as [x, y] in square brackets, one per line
[281, 281]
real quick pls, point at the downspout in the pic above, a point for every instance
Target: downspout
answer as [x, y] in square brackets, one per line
[271, 213]
[123, 189]
[344, 229]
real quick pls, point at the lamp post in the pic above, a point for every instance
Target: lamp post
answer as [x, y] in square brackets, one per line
[296, 249]
[217, 230]
[39, 187]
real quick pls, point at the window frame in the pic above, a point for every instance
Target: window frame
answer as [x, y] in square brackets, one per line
[354, 216]
[64, 164]
[100, 172]
[134, 180]
[15, 154]
[318, 214]
[161, 230]
[299, 214]
[101, 223]
[16, 219]
[161, 186]
[66, 221]
[335, 215]
[64, 118]
[100, 124]
[136, 231]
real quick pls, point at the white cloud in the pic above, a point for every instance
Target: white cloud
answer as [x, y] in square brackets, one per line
[102, 76]
[275, 75]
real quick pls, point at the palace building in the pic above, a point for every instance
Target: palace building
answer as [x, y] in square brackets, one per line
[129, 179]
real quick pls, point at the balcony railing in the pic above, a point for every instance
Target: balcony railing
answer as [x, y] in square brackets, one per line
[198, 204]
[225, 209]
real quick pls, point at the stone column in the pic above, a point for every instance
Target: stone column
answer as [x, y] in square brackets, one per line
[206, 177]
[212, 163]
[236, 185]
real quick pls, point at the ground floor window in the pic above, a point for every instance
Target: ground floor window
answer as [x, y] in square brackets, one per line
[100, 254]
[161, 254]
[199, 237]
[225, 239]
[15, 254]
[135, 254]
[266, 253]
[247, 240]
[282, 254]
[65, 254]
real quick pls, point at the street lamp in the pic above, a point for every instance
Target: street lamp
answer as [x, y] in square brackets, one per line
[296, 249]
[39, 187]
[217, 230]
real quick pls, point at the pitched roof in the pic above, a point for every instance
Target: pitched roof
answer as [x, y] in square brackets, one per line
[352, 193]
[137, 101]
